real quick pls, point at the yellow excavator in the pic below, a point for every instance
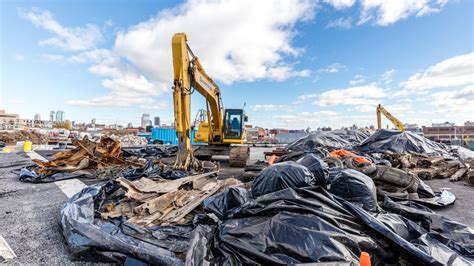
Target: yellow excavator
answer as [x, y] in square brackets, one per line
[381, 110]
[222, 129]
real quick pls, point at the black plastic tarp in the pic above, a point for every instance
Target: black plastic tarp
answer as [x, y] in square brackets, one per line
[150, 151]
[303, 225]
[401, 142]
[318, 167]
[355, 187]
[86, 233]
[292, 225]
[319, 139]
[280, 176]
[354, 136]
[28, 174]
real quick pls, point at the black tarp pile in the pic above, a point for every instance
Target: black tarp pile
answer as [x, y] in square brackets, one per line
[285, 219]
[397, 161]
[103, 160]
[401, 142]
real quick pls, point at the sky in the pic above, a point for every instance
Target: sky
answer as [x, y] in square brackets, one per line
[291, 63]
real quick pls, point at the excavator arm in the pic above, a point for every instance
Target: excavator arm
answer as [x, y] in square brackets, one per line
[381, 110]
[188, 75]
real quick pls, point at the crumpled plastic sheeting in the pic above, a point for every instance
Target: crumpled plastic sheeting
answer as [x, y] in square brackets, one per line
[354, 136]
[85, 233]
[224, 204]
[151, 170]
[292, 226]
[280, 176]
[151, 151]
[401, 142]
[318, 167]
[355, 187]
[325, 139]
[28, 175]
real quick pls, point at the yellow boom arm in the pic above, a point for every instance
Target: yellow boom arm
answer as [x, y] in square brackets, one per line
[189, 74]
[381, 110]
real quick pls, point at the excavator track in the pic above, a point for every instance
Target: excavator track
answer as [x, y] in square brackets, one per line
[238, 156]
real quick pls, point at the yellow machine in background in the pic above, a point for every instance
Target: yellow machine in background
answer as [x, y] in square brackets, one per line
[381, 110]
[220, 127]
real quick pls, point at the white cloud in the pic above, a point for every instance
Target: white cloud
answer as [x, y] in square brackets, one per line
[304, 119]
[54, 57]
[387, 76]
[333, 68]
[127, 85]
[241, 41]
[19, 57]
[342, 23]
[358, 79]
[455, 101]
[386, 12]
[16, 101]
[360, 95]
[455, 71]
[66, 38]
[340, 4]
[307, 96]
[270, 107]
[365, 108]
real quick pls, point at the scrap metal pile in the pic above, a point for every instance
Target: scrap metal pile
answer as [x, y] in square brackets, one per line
[319, 203]
[99, 160]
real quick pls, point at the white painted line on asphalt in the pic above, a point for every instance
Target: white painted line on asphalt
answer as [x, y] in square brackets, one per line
[69, 187]
[6, 251]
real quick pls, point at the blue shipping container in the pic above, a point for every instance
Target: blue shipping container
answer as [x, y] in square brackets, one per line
[168, 136]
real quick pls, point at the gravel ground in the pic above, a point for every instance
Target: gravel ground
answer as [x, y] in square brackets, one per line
[29, 213]
[462, 210]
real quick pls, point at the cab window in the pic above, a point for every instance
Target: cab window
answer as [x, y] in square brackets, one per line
[233, 126]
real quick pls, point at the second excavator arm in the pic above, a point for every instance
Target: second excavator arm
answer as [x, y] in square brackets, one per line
[188, 75]
[381, 110]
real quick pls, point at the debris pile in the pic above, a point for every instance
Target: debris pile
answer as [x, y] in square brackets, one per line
[151, 202]
[11, 137]
[130, 140]
[286, 218]
[84, 160]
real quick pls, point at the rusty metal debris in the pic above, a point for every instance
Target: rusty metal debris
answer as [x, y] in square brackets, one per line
[87, 154]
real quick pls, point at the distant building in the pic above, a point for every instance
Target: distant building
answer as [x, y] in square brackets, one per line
[145, 120]
[449, 131]
[51, 115]
[37, 117]
[445, 124]
[469, 124]
[8, 121]
[413, 128]
[157, 121]
[60, 116]
[130, 125]
[93, 121]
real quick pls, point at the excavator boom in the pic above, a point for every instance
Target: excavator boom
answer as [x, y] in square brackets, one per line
[381, 110]
[189, 76]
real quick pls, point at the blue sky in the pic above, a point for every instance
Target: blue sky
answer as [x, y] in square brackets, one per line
[293, 63]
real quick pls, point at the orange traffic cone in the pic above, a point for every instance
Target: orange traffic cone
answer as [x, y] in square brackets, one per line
[364, 259]
[272, 159]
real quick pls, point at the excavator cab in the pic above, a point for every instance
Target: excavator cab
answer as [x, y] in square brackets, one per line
[234, 124]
